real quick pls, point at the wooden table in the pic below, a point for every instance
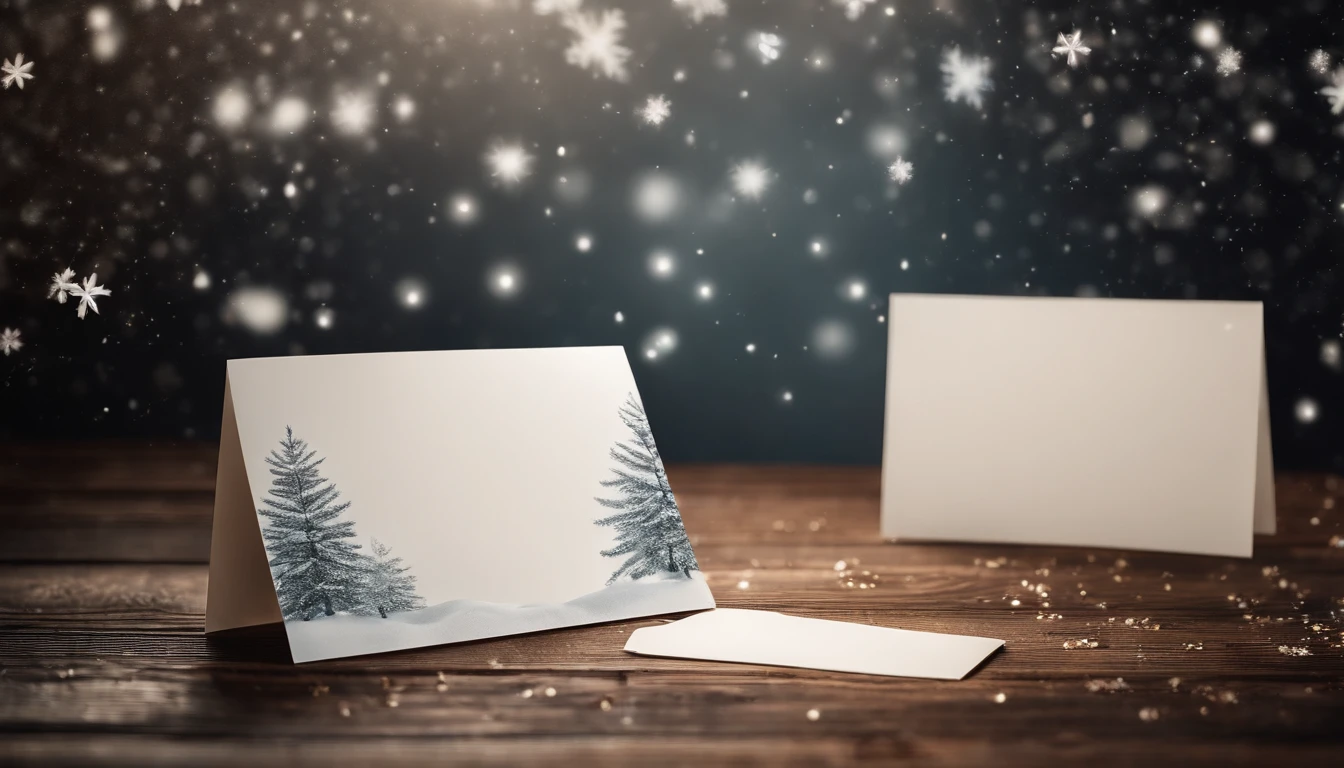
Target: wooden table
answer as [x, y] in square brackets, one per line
[103, 551]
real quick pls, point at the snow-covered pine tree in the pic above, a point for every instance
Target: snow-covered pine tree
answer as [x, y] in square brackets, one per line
[316, 566]
[648, 524]
[390, 587]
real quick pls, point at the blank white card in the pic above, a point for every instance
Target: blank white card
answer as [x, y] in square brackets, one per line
[1093, 422]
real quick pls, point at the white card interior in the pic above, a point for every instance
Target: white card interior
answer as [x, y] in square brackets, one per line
[1092, 422]
[481, 469]
[776, 639]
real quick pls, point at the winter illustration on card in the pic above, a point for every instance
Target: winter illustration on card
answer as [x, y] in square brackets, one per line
[349, 593]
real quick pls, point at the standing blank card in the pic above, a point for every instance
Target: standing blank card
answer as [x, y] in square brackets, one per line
[386, 501]
[1091, 422]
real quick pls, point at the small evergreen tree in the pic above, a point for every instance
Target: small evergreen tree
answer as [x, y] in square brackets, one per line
[390, 587]
[648, 524]
[315, 566]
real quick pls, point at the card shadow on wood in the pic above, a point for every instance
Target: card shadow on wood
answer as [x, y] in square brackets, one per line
[258, 644]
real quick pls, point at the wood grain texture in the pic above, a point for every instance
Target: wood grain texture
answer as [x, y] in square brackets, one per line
[103, 659]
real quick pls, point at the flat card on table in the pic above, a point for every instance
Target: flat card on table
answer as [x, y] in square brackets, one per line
[385, 501]
[776, 639]
[1131, 424]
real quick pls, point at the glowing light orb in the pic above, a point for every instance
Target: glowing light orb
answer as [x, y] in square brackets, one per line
[662, 264]
[1207, 34]
[657, 197]
[463, 208]
[353, 113]
[231, 107]
[289, 115]
[505, 281]
[1149, 201]
[833, 340]
[1331, 354]
[259, 309]
[660, 343]
[403, 108]
[886, 141]
[412, 293]
[1306, 411]
[1261, 132]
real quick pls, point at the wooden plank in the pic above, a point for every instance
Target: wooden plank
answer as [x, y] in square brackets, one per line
[888, 747]
[155, 612]
[100, 515]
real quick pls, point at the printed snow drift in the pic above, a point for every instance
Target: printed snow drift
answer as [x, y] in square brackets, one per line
[648, 524]
[317, 567]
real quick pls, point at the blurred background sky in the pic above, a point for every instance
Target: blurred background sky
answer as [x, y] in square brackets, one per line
[727, 188]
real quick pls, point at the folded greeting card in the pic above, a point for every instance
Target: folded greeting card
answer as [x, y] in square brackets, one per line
[1094, 422]
[776, 639]
[385, 501]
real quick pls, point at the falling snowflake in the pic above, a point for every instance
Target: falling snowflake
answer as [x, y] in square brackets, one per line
[9, 341]
[854, 8]
[965, 79]
[1334, 92]
[508, 162]
[86, 294]
[560, 7]
[1229, 61]
[1071, 46]
[597, 43]
[655, 110]
[1319, 61]
[16, 72]
[750, 178]
[177, 4]
[901, 171]
[699, 10]
[767, 44]
[61, 284]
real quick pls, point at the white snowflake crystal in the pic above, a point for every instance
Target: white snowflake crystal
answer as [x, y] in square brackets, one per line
[1071, 47]
[853, 8]
[965, 78]
[1229, 61]
[1319, 61]
[699, 10]
[86, 294]
[597, 43]
[750, 178]
[1334, 92]
[9, 341]
[61, 285]
[16, 72]
[508, 162]
[901, 171]
[655, 110]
